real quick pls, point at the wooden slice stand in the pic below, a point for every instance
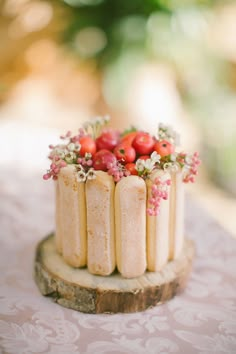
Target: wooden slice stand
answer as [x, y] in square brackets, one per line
[79, 290]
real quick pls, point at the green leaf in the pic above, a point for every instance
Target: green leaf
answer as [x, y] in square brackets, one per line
[129, 130]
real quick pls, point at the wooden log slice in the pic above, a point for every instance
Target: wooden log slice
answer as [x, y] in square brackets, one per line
[79, 290]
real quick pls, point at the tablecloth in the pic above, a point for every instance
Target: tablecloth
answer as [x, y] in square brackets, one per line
[200, 320]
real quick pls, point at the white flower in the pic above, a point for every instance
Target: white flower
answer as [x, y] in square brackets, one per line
[81, 176]
[155, 157]
[60, 153]
[61, 146]
[172, 157]
[185, 170]
[91, 174]
[86, 125]
[101, 120]
[71, 147]
[94, 126]
[98, 120]
[166, 132]
[69, 157]
[79, 168]
[171, 167]
[106, 119]
[140, 165]
[77, 147]
[88, 156]
[188, 159]
[149, 164]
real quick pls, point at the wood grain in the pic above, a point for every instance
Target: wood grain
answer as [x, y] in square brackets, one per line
[79, 290]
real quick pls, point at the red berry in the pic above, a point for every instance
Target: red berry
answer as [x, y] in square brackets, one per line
[107, 140]
[144, 157]
[125, 153]
[102, 159]
[131, 168]
[164, 148]
[46, 176]
[87, 145]
[129, 138]
[143, 143]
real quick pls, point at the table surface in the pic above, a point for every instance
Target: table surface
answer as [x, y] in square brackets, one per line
[200, 320]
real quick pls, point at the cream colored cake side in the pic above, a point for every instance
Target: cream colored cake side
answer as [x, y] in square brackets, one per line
[158, 229]
[119, 230]
[58, 220]
[101, 224]
[73, 217]
[130, 219]
[176, 227]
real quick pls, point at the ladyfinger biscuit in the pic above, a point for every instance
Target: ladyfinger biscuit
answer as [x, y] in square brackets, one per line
[101, 224]
[158, 228]
[176, 227]
[130, 218]
[73, 217]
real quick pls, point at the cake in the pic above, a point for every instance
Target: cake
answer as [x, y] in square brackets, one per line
[120, 198]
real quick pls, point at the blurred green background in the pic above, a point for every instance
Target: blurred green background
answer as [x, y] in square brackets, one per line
[142, 62]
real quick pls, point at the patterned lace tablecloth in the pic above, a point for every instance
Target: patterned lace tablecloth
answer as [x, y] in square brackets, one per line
[200, 320]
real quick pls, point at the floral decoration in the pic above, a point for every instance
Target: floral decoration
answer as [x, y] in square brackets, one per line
[159, 191]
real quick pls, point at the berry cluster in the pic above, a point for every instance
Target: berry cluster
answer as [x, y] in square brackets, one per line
[55, 167]
[117, 170]
[192, 163]
[159, 191]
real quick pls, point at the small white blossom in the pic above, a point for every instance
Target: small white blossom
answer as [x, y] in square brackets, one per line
[61, 154]
[81, 176]
[101, 120]
[61, 146]
[171, 167]
[166, 132]
[186, 169]
[88, 156]
[77, 147]
[71, 147]
[98, 120]
[94, 126]
[59, 151]
[146, 166]
[149, 164]
[155, 157]
[188, 159]
[91, 174]
[79, 168]
[140, 165]
[172, 157]
[69, 157]
[106, 119]
[86, 125]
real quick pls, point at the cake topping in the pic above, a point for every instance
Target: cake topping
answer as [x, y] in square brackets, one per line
[120, 154]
